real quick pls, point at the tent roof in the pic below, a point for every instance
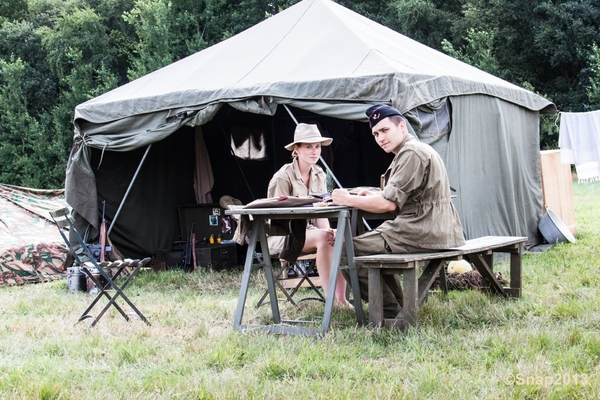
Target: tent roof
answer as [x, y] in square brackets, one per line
[315, 50]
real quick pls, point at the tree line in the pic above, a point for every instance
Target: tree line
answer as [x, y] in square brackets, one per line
[56, 54]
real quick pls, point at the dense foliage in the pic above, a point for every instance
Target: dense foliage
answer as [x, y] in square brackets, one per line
[55, 54]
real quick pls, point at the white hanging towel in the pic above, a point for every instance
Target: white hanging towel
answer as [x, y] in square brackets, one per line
[579, 142]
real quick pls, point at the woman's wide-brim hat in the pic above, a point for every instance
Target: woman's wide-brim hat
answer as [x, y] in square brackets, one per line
[308, 133]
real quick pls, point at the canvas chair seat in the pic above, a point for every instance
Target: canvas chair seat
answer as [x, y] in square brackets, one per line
[304, 277]
[102, 274]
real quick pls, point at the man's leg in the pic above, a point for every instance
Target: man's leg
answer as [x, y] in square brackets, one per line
[373, 243]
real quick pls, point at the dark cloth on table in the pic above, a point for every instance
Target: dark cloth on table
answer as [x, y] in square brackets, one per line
[294, 229]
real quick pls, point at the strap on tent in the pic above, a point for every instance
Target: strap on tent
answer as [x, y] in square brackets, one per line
[128, 189]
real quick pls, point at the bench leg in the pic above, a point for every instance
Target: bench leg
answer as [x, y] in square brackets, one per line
[411, 294]
[375, 297]
[484, 264]
[428, 275]
[515, 275]
[443, 276]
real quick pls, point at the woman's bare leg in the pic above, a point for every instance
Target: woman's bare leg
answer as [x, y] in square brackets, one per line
[319, 240]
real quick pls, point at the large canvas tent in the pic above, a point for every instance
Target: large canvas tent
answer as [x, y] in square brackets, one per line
[173, 137]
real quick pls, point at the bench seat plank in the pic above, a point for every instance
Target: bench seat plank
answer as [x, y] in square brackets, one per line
[396, 260]
[496, 243]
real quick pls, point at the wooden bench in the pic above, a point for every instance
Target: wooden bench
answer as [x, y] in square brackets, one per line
[480, 252]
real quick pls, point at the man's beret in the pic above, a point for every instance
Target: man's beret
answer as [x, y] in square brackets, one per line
[378, 112]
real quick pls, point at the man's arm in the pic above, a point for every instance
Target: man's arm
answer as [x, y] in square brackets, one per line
[366, 200]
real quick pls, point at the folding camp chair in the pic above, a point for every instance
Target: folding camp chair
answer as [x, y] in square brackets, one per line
[304, 276]
[98, 272]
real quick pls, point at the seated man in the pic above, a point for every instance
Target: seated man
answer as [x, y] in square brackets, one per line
[416, 190]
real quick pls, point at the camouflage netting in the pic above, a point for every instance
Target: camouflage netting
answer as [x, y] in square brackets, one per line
[31, 248]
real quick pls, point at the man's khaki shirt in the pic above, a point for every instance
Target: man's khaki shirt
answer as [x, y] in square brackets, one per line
[417, 182]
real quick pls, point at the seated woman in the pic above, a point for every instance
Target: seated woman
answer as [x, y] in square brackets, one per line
[302, 177]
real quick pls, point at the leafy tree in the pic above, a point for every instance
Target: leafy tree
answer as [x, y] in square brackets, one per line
[153, 23]
[44, 12]
[564, 38]
[170, 30]
[19, 132]
[56, 54]
[593, 89]
[377, 11]
[479, 51]
[240, 15]
[20, 40]
[121, 35]
[80, 55]
[426, 21]
[78, 29]
[13, 10]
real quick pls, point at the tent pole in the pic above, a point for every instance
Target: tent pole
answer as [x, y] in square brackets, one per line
[128, 189]
[325, 164]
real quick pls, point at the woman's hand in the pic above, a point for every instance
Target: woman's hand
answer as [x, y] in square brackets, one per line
[331, 237]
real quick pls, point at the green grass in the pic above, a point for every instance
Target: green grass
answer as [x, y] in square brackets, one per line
[469, 345]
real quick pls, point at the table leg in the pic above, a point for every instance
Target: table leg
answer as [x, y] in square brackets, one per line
[239, 311]
[353, 272]
[335, 262]
[268, 269]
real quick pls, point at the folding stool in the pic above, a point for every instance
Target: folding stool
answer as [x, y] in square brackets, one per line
[64, 219]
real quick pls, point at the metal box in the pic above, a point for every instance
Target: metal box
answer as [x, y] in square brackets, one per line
[216, 256]
[208, 219]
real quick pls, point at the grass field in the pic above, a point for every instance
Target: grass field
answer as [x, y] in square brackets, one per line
[469, 345]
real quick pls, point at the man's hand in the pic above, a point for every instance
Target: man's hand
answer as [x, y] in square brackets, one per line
[367, 192]
[340, 197]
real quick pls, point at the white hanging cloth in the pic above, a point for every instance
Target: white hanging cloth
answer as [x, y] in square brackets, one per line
[579, 142]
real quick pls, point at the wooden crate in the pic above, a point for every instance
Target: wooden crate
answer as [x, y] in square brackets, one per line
[557, 187]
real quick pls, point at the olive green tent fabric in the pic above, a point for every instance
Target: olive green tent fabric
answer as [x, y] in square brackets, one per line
[319, 57]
